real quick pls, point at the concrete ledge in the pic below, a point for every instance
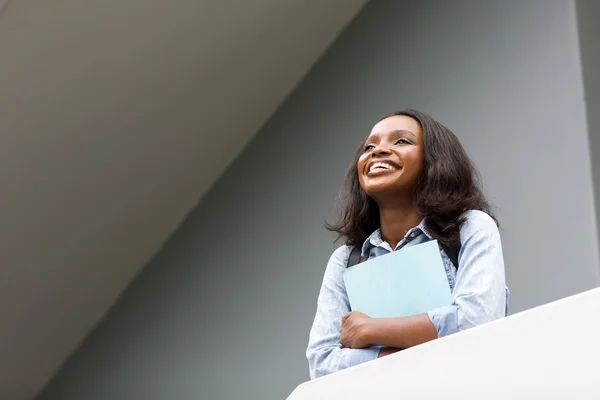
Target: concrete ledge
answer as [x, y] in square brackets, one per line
[549, 352]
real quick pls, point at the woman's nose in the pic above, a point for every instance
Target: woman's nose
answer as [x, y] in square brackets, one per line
[381, 150]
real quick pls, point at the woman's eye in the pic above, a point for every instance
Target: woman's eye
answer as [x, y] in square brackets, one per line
[369, 147]
[402, 141]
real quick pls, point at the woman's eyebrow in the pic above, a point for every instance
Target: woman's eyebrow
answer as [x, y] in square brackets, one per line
[402, 132]
[399, 132]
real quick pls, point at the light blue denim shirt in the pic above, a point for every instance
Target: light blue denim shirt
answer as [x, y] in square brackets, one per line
[479, 292]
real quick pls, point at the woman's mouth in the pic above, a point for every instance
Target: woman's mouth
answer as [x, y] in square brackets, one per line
[380, 168]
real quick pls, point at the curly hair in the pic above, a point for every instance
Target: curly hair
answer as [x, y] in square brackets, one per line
[447, 188]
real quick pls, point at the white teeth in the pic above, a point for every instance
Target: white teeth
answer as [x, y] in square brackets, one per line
[381, 165]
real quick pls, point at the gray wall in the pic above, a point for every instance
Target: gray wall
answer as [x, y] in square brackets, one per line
[588, 15]
[223, 311]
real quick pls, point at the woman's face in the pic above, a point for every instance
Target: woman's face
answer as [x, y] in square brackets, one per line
[392, 159]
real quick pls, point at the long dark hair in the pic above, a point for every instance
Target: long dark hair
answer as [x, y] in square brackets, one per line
[448, 187]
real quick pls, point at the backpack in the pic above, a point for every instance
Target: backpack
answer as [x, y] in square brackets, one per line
[451, 251]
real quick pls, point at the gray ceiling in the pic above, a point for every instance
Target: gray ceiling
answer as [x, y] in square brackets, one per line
[116, 116]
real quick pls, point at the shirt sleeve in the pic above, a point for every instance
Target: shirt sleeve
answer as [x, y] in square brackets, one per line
[480, 294]
[324, 353]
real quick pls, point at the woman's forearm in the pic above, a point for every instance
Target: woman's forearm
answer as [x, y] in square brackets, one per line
[386, 351]
[401, 332]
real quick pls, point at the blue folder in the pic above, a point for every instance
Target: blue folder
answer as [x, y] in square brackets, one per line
[405, 282]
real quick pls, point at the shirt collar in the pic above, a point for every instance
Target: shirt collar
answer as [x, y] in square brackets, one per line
[375, 239]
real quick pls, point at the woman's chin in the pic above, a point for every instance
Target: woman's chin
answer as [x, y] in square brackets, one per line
[382, 189]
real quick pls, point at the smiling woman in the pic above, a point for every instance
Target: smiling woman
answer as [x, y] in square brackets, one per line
[410, 182]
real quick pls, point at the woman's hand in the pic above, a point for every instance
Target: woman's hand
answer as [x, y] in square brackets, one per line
[354, 330]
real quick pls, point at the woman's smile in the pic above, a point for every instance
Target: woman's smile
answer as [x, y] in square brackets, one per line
[382, 167]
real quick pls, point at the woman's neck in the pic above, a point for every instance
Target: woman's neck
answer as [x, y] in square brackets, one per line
[396, 221]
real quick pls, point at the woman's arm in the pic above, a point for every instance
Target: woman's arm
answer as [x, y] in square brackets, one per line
[480, 294]
[324, 353]
[359, 330]
[386, 351]
[402, 332]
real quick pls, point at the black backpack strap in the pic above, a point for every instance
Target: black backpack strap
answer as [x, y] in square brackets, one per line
[452, 253]
[355, 257]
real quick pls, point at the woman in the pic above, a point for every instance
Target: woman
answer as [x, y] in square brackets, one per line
[410, 182]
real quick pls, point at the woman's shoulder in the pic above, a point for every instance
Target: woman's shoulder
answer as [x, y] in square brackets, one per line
[337, 263]
[341, 254]
[479, 217]
[477, 222]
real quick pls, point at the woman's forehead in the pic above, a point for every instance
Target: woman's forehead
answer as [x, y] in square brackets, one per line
[394, 124]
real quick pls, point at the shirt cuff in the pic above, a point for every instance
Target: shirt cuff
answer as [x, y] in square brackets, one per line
[445, 320]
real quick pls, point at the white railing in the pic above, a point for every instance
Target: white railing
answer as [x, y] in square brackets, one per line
[549, 352]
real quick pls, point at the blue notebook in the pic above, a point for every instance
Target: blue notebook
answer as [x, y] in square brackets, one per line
[405, 282]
